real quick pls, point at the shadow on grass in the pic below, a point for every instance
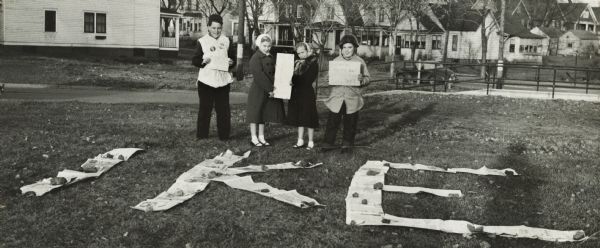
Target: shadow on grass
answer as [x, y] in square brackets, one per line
[514, 199]
[385, 120]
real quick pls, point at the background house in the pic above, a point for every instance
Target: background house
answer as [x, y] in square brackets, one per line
[550, 46]
[578, 16]
[68, 27]
[522, 45]
[578, 42]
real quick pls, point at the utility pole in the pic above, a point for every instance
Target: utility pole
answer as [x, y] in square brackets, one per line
[240, 41]
[500, 76]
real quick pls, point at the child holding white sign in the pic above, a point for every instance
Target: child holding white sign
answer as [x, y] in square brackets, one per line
[344, 102]
[302, 107]
[262, 107]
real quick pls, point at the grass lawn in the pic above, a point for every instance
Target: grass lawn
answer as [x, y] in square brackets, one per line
[553, 144]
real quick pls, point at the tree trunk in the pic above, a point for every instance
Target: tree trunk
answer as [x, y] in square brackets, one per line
[501, 51]
[392, 52]
[483, 44]
[445, 55]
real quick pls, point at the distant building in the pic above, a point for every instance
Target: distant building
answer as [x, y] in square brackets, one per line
[579, 16]
[578, 42]
[553, 35]
[111, 27]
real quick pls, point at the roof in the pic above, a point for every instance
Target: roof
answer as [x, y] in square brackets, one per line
[429, 24]
[583, 35]
[551, 32]
[572, 11]
[169, 11]
[596, 11]
[514, 29]
[326, 24]
[468, 21]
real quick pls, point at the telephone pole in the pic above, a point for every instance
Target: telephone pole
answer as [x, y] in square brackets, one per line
[500, 76]
[240, 41]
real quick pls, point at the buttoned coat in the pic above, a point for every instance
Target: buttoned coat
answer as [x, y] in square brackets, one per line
[260, 107]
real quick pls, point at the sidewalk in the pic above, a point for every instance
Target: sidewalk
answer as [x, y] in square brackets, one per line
[50, 93]
[506, 93]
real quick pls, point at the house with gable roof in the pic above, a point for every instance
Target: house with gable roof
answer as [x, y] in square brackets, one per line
[372, 28]
[551, 46]
[464, 41]
[579, 16]
[578, 42]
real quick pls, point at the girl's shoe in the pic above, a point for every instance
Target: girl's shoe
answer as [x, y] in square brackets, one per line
[264, 143]
[299, 144]
[256, 143]
[310, 146]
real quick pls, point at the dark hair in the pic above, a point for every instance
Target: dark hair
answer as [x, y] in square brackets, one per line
[348, 39]
[215, 18]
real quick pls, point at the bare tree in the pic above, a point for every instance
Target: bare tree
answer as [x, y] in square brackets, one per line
[215, 6]
[484, 8]
[395, 12]
[254, 10]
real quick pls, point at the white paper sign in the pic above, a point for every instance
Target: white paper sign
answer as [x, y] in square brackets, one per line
[284, 70]
[218, 63]
[344, 73]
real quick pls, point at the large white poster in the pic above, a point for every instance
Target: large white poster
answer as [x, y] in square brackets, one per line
[284, 70]
[344, 73]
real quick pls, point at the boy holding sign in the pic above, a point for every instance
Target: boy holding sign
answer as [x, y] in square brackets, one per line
[345, 101]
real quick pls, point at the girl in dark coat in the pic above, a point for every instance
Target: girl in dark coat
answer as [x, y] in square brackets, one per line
[302, 107]
[262, 107]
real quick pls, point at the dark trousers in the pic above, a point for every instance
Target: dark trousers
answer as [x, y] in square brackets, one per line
[219, 99]
[333, 125]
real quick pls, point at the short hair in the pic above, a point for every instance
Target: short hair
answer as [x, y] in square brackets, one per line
[215, 18]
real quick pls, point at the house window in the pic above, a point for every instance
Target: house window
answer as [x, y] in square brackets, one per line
[581, 26]
[436, 42]
[591, 27]
[299, 11]
[381, 15]
[94, 22]
[511, 47]
[88, 22]
[330, 13]
[309, 36]
[101, 23]
[421, 43]
[521, 48]
[570, 45]
[50, 21]
[454, 43]
[406, 43]
[385, 40]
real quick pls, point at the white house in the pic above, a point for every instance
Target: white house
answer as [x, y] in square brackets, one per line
[550, 46]
[576, 42]
[109, 27]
